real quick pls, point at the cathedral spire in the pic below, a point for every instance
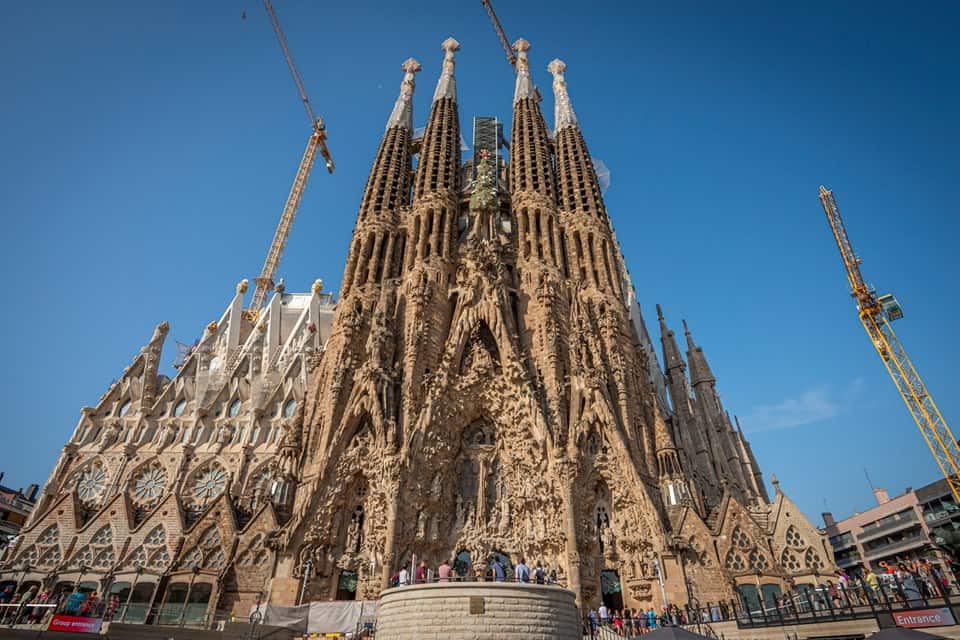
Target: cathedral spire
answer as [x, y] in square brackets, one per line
[531, 166]
[447, 84]
[524, 87]
[671, 350]
[699, 369]
[402, 115]
[375, 252]
[438, 169]
[563, 110]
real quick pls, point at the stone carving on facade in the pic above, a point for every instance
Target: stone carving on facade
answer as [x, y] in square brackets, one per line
[473, 394]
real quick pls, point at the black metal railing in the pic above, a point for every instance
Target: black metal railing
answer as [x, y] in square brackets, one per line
[827, 603]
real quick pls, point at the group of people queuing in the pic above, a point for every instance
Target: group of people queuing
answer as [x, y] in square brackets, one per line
[629, 622]
[496, 571]
[35, 606]
[905, 584]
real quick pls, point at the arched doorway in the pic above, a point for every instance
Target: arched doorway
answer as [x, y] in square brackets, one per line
[347, 585]
[610, 590]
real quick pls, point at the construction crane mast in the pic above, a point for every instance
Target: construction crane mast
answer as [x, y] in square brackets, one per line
[317, 142]
[877, 314]
[511, 56]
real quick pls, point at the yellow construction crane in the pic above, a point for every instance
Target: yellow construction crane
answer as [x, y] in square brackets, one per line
[877, 313]
[501, 36]
[265, 281]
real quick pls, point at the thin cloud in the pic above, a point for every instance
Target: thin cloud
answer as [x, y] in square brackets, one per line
[807, 408]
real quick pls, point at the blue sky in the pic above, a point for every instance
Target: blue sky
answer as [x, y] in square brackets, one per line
[148, 148]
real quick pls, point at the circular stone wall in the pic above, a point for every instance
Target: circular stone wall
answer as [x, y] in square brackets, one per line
[478, 611]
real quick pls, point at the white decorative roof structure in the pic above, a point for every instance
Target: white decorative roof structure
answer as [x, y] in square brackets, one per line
[447, 84]
[402, 115]
[563, 110]
[524, 87]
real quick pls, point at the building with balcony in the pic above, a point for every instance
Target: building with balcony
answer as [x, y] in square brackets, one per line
[15, 508]
[897, 529]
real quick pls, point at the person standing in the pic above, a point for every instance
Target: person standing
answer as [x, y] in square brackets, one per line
[604, 614]
[404, 575]
[652, 619]
[873, 585]
[443, 572]
[522, 571]
[421, 573]
[498, 572]
[539, 574]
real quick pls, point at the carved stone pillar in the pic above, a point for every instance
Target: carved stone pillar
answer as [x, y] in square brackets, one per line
[392, 495]
[567, 471]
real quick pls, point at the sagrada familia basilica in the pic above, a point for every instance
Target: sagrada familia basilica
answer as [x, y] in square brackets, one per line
[485, 386]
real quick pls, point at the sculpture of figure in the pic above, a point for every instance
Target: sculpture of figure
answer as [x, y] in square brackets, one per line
[483, 202]
[353, 535]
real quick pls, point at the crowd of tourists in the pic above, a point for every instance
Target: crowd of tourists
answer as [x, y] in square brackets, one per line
[496, 571]
[629, 622]
[901, 584]
[35, 607]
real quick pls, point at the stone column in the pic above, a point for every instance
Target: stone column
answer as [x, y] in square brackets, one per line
[392, 494]
[567, 472]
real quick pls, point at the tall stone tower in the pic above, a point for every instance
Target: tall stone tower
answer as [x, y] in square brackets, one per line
[482, 392]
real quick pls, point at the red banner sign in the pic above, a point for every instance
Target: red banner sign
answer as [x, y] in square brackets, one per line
[75, 624]
[924, 618]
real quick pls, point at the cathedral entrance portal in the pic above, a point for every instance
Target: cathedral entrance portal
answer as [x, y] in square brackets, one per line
[347, 585]
[610, 590]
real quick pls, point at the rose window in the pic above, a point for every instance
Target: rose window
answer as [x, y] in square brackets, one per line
[148, 485]
[790, 560]
[794, 539]
[758, 561]
[209, 484]
[91, 483]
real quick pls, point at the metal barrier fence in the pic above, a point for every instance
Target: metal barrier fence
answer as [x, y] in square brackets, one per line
[827, 603]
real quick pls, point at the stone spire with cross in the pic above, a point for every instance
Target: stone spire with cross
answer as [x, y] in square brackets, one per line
[402, 115]
[563, 110]
[524, 87]
[447, 84]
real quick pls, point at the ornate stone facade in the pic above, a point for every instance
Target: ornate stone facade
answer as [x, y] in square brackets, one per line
[484, 386]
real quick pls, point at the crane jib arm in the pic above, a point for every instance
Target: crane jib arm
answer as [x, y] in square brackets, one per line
[876, 321]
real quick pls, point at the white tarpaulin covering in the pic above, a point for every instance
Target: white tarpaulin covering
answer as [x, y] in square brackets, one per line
[320, 617]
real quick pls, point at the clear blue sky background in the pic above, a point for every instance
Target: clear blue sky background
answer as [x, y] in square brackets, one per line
[147, 149]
